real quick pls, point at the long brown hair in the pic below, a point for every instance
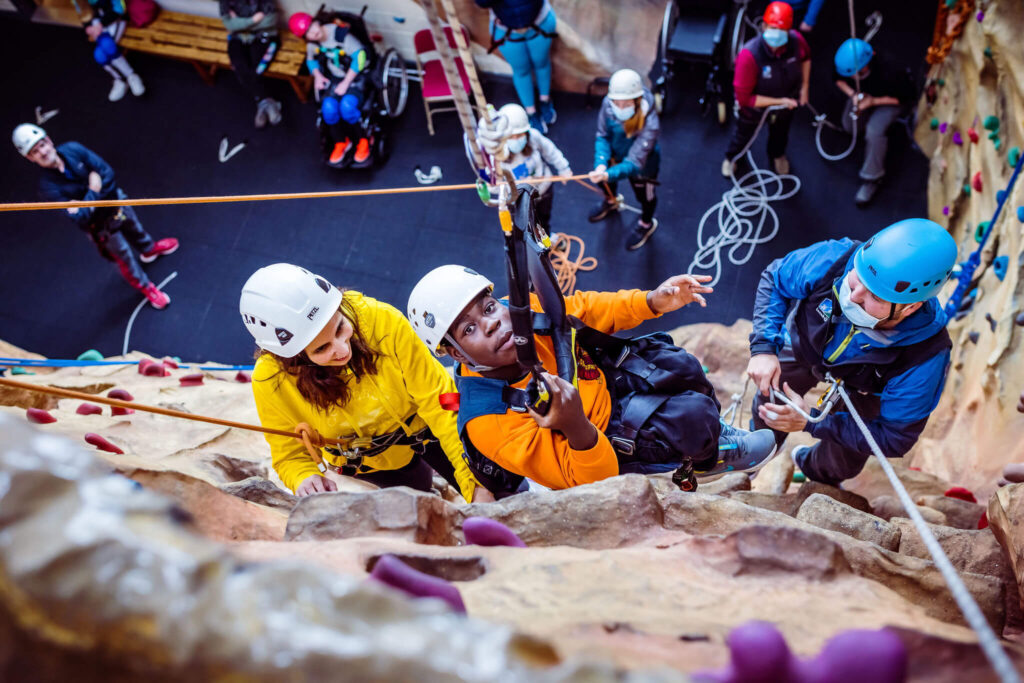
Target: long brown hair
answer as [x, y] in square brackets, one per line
[325, 386]
[635, 123]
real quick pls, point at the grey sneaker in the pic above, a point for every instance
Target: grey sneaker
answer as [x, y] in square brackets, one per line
[274, 112]
[117, 90]
[728, 168]
[640, 235]
[742, 451]
[261, 113]
[866, 192]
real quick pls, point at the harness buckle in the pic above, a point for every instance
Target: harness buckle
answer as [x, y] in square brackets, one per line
[623, 446]
[622, 356]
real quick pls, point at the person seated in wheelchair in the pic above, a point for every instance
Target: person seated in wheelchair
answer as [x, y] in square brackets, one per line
[338, 62]
[583, 436]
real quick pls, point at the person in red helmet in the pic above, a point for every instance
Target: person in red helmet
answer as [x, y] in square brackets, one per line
[337, 59]
[772, 69]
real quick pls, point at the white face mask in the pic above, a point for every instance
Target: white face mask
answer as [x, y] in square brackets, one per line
[853, 311]
[776, 37]
[515, 145]
[623, 114]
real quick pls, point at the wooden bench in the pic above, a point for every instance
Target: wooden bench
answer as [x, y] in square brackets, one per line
[203, 42]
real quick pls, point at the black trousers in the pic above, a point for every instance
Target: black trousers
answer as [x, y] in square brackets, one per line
[644, 192]
[419, 473]
[114, 237]
[543, 209]
[778, 124]
[245, 58]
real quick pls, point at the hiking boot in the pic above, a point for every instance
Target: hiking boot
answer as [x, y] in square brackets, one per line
[362, 151]
[537, 123]
[137, 87]
[866, 192]
[728, 168]
[167, 245]
[117, 90]
[547, 112]
[781, 165]
[339, 150]
[641, 233]
[741, 451]
[603, 210]
[157, 299]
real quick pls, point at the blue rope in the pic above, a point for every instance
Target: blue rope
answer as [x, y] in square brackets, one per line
[974, 260]
[57, 363]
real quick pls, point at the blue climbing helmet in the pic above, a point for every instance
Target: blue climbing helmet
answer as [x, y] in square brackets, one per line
[907, 262]
[852, 56]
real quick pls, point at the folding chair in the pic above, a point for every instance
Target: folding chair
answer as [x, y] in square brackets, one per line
[432, 78]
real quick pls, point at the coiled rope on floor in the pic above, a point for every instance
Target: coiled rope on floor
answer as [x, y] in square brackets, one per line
[565, 265]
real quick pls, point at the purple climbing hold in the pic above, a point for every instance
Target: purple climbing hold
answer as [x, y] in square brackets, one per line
[974, 335]
[397, 574]
[980, 16]
[945, 211]
[1019, 320]
[943, 127]
[991, 321]
[484, 531]
[957, 139]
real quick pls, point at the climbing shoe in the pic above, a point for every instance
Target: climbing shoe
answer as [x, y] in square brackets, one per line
[362, 151]
[537, 122]
[781, 165]
[866, 192]
[547, 112]
[728, 168]
[339, 150]
[741, 451]
[157, 299]
[167, 245]
[117, 90]
[640, 234]
[138, 88]
[603, 210]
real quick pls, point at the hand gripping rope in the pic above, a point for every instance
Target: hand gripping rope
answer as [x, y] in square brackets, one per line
[825, 404]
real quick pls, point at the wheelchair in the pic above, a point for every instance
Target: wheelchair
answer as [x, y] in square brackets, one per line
[385, 87]
[710, 34]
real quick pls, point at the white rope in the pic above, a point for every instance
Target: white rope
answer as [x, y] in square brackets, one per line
[987, 638]
[131, 320]
[745, 215]
[733, 415]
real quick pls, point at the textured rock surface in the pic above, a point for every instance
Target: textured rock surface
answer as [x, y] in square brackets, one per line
[888, 507]
[828, 513]
[960, 514]
[1006, 519]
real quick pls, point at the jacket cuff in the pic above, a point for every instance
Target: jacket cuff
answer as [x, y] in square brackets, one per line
[758, 348]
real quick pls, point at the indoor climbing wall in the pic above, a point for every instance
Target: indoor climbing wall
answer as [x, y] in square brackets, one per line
[969, 123]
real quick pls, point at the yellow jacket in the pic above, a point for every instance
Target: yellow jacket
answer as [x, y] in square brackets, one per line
[407, 385]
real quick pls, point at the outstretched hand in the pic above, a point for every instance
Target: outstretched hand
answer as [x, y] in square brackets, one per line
[678, 291]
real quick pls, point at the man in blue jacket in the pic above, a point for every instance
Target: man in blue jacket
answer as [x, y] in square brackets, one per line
[74, 173]
[864, 313]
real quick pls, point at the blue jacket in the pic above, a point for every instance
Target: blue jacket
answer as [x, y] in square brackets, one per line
[639, 155]
[906, 400]
[73, 183]
[813, 7]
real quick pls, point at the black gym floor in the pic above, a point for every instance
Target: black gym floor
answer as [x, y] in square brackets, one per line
[60, 298]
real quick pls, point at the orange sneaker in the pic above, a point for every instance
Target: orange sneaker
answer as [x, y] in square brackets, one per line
[339, 150]
[362, 151]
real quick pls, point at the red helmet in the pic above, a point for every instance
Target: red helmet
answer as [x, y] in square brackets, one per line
[779, 15]
[300, 21]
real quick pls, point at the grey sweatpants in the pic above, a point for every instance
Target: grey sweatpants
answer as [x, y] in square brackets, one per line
[873, 125]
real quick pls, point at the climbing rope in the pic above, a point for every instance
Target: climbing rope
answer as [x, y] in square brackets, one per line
[987, 638]
[733, 415]
[303, 432]
[565, 265]
[745, 215]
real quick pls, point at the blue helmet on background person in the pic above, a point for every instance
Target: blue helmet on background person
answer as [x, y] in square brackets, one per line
[852, 56]
[907, 262]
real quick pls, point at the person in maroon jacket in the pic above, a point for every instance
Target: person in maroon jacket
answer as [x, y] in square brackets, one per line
[772, 69]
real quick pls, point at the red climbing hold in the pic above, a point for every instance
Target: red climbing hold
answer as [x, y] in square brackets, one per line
[39, 416]
[151, 368]
[983, 522]
[243, 377]
[118, 410]
[102, 444]
[191, 380]
[976, 182]
[89, 409]
[120, 394]
[961, 493]
[973, 135]
[171, 363]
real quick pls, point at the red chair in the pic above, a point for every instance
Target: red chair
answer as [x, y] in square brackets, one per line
[432, 78]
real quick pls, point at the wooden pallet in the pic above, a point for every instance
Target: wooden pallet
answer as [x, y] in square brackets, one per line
[203, 42]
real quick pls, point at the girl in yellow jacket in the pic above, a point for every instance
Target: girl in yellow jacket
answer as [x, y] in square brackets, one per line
[352, 368]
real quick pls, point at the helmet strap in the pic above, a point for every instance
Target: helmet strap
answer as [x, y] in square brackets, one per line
[471, 364]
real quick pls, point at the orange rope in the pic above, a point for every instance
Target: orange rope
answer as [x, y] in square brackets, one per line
[223, 199]
[566, 267]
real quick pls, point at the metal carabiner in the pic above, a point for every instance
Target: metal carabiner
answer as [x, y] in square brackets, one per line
[824, 405]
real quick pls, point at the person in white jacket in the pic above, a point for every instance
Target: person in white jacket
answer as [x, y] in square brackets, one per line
[527, 153]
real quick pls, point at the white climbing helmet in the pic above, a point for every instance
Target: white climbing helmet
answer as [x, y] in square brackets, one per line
[284, 307]
[518, 121]
[625, 84]
[26, 136]
[439, 298]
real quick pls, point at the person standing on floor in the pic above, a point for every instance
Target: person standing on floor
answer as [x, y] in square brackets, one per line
[105, 22]
[867, 314]
[73, 172]
[878, 91]
[773, 69]
[522, 30]
[252, 42]
[626, 146]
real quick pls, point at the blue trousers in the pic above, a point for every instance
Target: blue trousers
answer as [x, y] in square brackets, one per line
[529, 55]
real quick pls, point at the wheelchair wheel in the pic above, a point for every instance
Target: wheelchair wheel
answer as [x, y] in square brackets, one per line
[395, 83]
[743, 29]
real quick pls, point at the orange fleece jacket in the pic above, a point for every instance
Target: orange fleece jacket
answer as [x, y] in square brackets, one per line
[515, 442]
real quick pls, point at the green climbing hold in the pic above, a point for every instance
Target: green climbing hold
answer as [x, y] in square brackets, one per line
[1013, 156]
[967, 189]
[934, 124]
[998, 144]
[988, 52]
[991, 123]
[21, 371]
[705, 369]
[91, 354]
[979, 233]
[950, 3]
[176, 359]
[994, 135]
[483, 191]
[942, 82]
[799, 477]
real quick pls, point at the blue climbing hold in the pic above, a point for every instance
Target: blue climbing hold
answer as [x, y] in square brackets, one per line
[1020, 213]
[1000, 195]
[91, 354]
[999, 265]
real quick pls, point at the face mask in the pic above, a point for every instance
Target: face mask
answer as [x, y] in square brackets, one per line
[515, 145]
[624, 114]
[853, 311]
[776, 37]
